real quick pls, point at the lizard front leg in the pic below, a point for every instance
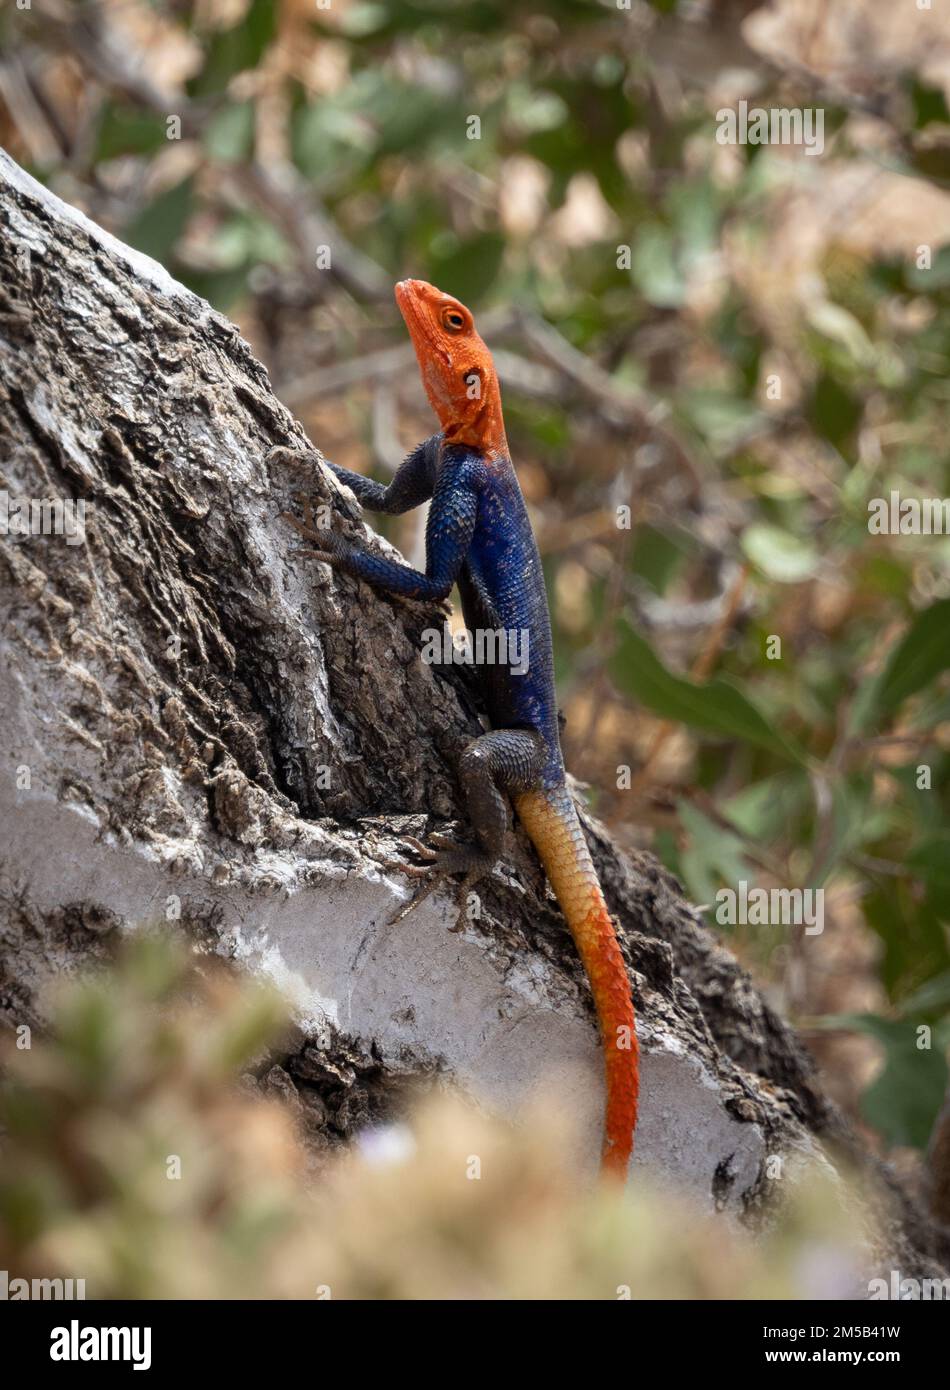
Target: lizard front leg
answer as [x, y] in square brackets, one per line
[412, 484]
[452, 518]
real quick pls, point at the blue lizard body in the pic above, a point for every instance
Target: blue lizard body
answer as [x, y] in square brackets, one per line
[479, 535]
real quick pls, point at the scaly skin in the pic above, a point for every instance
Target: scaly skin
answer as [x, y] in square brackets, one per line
[556, 833]
[479, 535]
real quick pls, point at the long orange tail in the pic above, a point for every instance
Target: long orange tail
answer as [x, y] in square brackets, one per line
[551, 821]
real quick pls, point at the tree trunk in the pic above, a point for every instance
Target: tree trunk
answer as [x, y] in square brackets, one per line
[204, 728]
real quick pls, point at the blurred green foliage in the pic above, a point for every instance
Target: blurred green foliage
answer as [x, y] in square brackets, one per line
[132, 1159]
[129, 1158]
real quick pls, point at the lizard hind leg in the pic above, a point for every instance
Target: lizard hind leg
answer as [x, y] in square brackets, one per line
[505, 760]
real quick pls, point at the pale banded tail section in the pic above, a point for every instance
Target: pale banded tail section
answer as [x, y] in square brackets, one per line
[551, 822]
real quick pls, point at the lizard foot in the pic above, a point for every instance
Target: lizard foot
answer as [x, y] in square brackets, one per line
[328, 546]
[453, 859]
[425, 851]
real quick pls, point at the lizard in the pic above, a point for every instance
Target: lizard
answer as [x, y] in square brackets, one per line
[479, 536]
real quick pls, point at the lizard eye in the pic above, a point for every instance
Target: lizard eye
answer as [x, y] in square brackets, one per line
[453, 320]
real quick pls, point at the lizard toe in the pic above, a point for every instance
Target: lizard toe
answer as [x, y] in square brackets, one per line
[458, 860]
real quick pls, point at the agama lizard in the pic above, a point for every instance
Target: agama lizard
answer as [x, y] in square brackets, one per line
[479, 536]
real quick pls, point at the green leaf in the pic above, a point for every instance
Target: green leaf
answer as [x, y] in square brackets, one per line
[764, 811]
[834, 322]
[833, 411]
[779, 555]
[127, 130]
[694, 207]
[915, 940]
[357, 21]
[920, 655]
[330, 142]
[932, 160]
[532, 110]
[230, 133]
[936, 278]
[933, 997]
[233, 50]
[851, 823]
[219, 287]
[656, 557]
[931, 861]
[158, 225]
[654, 268]
[903, 1102]
[716, 707]
[930, 104]
[469, 270]
[723, 420]
[713, 856]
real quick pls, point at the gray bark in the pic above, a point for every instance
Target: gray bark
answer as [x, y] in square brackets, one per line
[195, 716]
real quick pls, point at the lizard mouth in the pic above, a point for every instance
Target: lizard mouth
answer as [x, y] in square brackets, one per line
[412, 306]
[409, 297]
[409, 305]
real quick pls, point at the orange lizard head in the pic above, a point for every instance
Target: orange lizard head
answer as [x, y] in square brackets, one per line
[457, 369]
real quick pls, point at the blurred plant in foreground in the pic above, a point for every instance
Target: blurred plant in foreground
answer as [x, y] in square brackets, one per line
[133, 1159]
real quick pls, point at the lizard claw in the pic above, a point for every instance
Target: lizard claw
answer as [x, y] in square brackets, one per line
[423, 850]
[443, 842]
[327, 545]
[452, 859]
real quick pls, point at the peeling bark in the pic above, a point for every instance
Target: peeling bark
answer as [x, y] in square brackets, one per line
[197, 719]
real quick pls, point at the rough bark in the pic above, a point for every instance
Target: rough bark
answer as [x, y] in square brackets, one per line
[195, 716]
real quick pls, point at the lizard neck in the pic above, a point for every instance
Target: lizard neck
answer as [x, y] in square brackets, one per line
[482, 429]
